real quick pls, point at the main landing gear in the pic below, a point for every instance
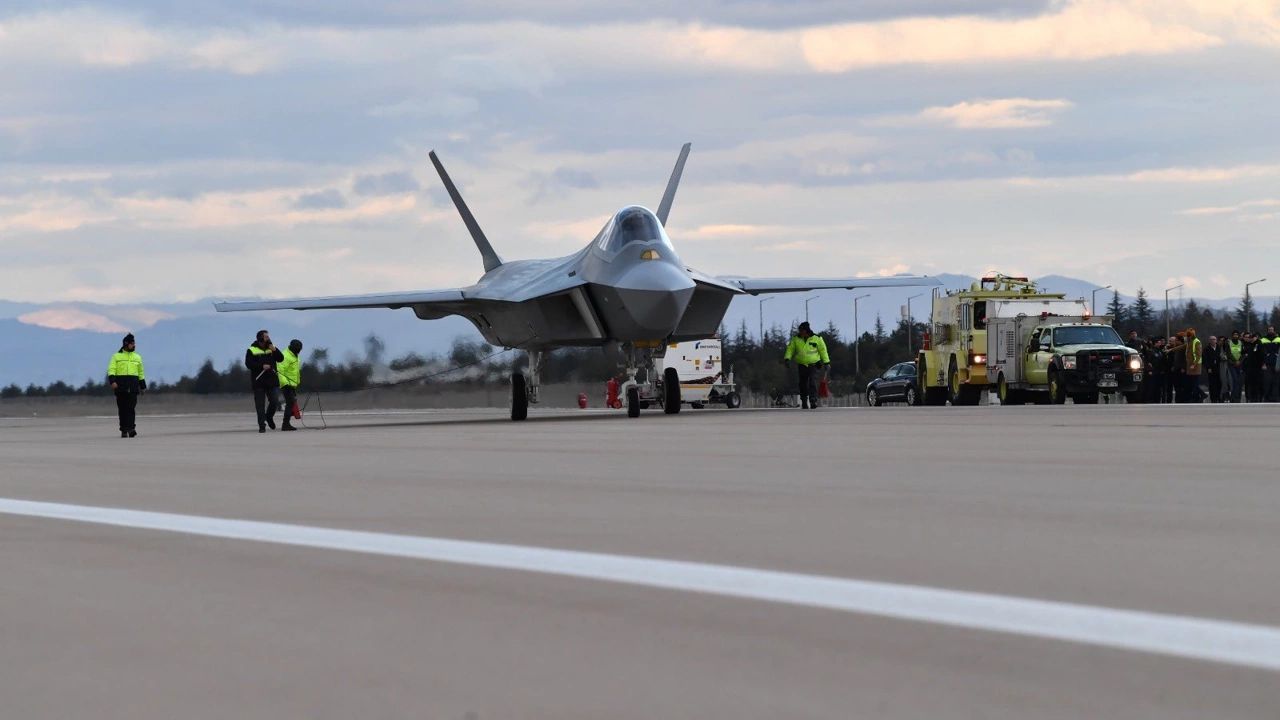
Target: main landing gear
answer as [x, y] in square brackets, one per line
[524, 391]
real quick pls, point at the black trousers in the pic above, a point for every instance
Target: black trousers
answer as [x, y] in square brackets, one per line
[126, 408]
[266, 402]
[1215, 386]
[809, 384]
[290, 399]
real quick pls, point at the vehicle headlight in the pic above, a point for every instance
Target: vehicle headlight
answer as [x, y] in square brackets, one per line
[1135, 363]
[979, 359]
[1068, 362]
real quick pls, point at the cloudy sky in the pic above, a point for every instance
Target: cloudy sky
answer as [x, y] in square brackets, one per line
[180, 149]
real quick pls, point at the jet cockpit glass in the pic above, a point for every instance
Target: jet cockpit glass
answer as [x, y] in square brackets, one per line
[634, 224]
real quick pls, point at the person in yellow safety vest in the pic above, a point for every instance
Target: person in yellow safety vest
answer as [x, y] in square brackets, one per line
[262, 358]
[1235, 368]
[1195, 366]
[810, 353]
[128, 380]
[290, 372]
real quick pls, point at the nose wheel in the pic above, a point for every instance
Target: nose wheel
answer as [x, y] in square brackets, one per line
[525, 390]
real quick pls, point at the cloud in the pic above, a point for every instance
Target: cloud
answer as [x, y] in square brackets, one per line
[328, 199]
[71, 319]
[388, 183]
[1003, 113]
[1188, 282]
[1238, 209]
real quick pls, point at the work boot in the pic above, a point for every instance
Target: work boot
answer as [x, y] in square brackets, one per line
[287, 426]
[271, 422]
[804, 403]
[124, 433]
[262, 428]
[133, 433]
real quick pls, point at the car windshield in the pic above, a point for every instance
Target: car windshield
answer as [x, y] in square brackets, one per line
[634, 224]
[1086, 335]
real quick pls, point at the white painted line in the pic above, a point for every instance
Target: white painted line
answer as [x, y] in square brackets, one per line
[1219, 641]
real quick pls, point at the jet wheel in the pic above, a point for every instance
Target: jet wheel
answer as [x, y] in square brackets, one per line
[519, 397]
[633, 402]
[670, 391]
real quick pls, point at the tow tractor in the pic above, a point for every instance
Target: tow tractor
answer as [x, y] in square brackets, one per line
[701, 374]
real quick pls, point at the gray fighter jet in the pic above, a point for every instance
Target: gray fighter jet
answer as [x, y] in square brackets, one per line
[627, 290]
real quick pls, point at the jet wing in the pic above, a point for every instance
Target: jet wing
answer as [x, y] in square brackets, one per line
[763, 286]
[427, 303]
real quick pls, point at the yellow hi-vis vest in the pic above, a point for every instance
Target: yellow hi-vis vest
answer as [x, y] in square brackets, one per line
[807, 352]
[290, 369]
[126, 364]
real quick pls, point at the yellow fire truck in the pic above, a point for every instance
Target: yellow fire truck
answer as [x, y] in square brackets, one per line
[952, 364]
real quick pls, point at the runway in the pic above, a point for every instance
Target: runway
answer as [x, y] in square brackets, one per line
[1094, 561]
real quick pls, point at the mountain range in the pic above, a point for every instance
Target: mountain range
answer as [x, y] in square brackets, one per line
[72, 341]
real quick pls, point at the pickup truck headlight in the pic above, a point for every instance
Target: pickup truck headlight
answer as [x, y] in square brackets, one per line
[1135, 363]
[1068, 362]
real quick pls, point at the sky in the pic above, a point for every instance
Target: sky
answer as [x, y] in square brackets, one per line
[167, 151]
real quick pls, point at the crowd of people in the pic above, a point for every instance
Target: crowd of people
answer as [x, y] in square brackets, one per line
[1183, 369]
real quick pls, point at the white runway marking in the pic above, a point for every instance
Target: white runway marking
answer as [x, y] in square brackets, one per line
[1195, 638]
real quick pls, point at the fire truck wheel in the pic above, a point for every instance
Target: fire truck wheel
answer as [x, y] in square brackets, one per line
[953, 384]
[1057, 391]
[633, 402]
[1006, 395]
[670, 391]
[733, 400]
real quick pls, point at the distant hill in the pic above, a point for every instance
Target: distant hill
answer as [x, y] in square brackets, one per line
[72, 341]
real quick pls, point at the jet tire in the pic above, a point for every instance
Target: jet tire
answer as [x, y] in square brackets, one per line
[519, 397]
[670, 391]
[633, 402]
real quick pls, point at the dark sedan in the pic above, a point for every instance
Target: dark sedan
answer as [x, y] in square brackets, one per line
[898, 383]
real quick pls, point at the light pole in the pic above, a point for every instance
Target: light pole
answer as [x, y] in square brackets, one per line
[1166, 310]
[857, 338]
[910, 322]
[762, 302]
[806, 306]
[1247, 306]
[1093, 299]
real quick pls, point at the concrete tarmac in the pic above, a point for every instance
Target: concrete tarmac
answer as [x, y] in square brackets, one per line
[1163, 509]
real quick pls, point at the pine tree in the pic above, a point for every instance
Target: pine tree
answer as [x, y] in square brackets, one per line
[1245, 313]
[1140, 314]
[879, 336]
[1190, 314]
[1116, 309]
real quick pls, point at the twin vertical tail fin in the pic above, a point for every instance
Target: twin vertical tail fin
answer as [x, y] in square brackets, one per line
[664, 209]
[491, 259]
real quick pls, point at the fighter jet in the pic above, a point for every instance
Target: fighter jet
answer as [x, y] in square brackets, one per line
[627, 290]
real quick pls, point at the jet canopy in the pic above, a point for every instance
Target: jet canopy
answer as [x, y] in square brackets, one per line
[631, 225]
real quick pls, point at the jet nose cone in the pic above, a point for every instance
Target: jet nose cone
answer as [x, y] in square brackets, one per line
[655, 296]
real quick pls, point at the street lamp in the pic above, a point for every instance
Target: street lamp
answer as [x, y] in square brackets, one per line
[910, 322]
[857, 337]
[1247, 306]
[1093, 299]
[762, 302]
[1166, 309]
[806, 306]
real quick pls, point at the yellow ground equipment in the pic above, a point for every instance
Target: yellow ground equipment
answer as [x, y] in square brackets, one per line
[952, 364]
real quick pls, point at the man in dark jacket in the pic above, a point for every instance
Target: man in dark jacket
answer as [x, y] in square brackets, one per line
[261, 359]
[1270, 345]
[1253, 359]
[1156, 367]
[1213, 362]
[128, 380]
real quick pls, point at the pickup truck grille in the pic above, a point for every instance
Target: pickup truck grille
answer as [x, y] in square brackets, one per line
[1100, 360]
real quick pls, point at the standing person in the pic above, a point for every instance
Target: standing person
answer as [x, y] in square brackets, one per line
[1233, 353]
[1176, 356]
[1194, 368]
[290, 378]
[810, 353]
[1252, 368]
[1155, 365]
[261, 358]
[1213, 360]
[1270, 377]
[128, 380]
[1134, 342]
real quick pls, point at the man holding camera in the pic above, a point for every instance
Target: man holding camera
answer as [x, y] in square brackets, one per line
[262, 358]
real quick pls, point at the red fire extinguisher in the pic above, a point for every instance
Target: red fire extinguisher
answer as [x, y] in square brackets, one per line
[582, 401]
[611, 398]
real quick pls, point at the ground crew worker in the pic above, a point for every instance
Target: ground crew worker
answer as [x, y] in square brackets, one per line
[1270, 353]
[128, 380]
[810, 353]
[1234, 350]
[290, 377]
[1191, 392]
[261, 358]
